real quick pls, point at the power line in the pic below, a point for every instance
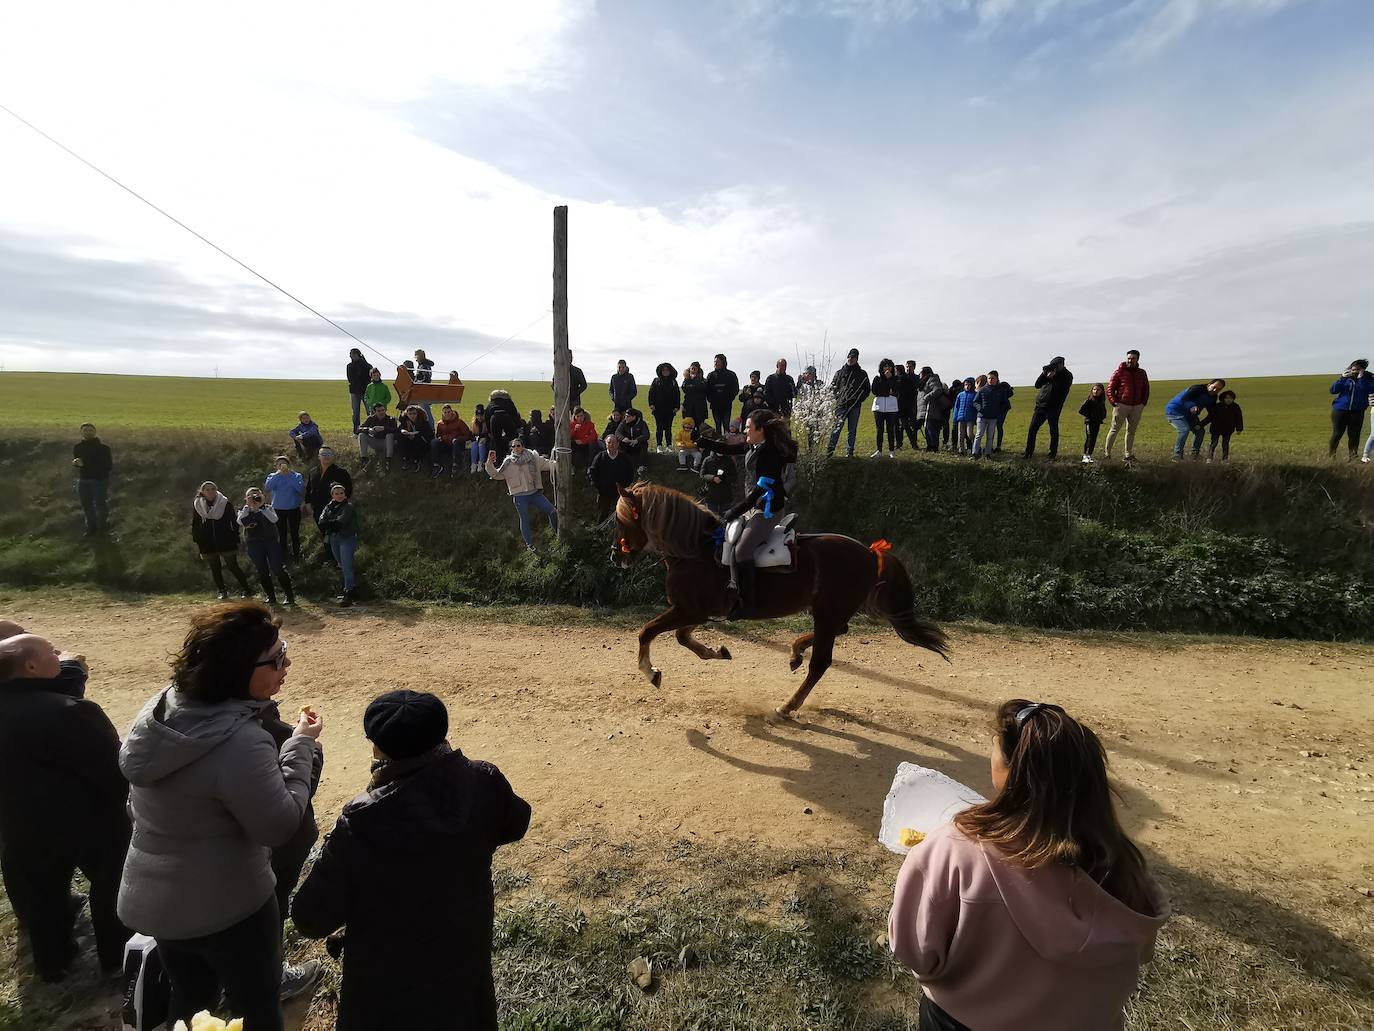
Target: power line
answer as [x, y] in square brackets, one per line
[543, 315]
[138, 196]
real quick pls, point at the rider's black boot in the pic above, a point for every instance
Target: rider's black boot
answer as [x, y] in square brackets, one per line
[744, 596]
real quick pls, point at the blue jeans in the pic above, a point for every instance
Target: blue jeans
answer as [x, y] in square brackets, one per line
[1183, 427]
[357, 400]
[343, 549]
[850, 415]
[537, 501]
[479, 453]
[986, 440]
[94, 497]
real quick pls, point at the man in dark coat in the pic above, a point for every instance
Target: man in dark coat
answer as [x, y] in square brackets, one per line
[62, 804]
[850, 386]
[503, 424]
[93, 462]
[321, 481]
[407, 871]
[610, 470]
[1052, 385]
[577, 385]
[722, 387]
[780, 390]
[359, 373]
[908, 384]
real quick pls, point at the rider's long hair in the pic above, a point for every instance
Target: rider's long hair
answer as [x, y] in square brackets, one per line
[1056, 806]
[775, 432]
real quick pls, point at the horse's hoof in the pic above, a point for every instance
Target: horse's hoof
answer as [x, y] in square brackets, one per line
[656, 677]
[795, 663]
[723, 653]
[786, 713]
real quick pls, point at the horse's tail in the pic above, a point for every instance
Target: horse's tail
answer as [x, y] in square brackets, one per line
[894, 599]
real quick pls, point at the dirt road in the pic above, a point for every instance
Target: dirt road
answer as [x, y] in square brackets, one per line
[1244, 767]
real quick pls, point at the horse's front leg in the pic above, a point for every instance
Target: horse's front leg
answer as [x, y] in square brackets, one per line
[701, 651]
[663, 622]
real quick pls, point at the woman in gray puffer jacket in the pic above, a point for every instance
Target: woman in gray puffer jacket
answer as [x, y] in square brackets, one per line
[211, 795]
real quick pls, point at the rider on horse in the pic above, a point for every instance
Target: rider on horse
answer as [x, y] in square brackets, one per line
[768, 450]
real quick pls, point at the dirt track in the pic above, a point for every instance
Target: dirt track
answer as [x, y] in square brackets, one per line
[1245, 767]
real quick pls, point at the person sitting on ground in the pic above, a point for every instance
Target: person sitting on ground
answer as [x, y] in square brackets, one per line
[634, 436]
[610, 470]
[259, 524]
[93, 462]
[522, 470]
[1224, 419]
[613, 421]
[62, 804]
[339, 524]
[215, 532]
[688, 454]
[583, 433]
[306, 436]
[538, 435]
[211, 795]
[377, 392]
[1094, 412]
[1038, 890]
[285, 492]
[413, 435]
[480, 438]
[376, 436]
[504, 424]
[405, 856]
[451, 436]
[719, 475]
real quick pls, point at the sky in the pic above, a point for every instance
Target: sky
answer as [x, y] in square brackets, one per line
[966, 183]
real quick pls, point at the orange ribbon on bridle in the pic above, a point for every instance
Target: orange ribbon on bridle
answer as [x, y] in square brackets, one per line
[879, 549]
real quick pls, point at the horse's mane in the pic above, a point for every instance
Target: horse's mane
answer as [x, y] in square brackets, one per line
[675, 524]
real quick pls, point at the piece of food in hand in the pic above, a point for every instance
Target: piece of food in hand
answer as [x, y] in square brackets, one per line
[307, 712]
[909, 836]
[203, 1021]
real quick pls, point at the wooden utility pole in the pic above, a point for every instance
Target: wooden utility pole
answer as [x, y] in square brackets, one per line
[562, 362]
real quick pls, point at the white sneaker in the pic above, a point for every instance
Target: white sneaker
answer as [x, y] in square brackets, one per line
[891, 454]
[1365, 459]
[876, 454]
[1087, 459]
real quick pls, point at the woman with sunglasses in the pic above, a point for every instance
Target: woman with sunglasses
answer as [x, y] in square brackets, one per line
[211, 795]
[1033, 909]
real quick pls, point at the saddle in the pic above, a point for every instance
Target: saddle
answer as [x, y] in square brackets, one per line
[778, 552]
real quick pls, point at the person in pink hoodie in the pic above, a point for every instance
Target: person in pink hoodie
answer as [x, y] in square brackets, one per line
[1033, 910]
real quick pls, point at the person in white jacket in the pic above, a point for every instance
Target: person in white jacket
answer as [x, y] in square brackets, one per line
[522, 470]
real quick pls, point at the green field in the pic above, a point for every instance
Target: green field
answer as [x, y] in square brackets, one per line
[1286, 417]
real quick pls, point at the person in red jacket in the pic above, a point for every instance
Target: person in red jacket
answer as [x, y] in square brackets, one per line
[1128, 392]
[451, 436]
[584, 438]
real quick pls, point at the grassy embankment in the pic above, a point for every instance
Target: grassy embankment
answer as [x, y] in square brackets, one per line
[1276, 548]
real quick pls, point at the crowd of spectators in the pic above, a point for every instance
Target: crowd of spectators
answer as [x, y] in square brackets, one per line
[196, 831]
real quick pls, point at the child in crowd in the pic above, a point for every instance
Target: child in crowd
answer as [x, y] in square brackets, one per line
[306, 436]
[1094, 412]
[480, 438]
[1038, 890]
[688, 455]
[1226, 419]
[965, 418]
[736, 432]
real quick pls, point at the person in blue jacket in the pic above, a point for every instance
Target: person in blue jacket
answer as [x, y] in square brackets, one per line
[1184, 412]
[965, 417]
[307, 437]
[1352, 392]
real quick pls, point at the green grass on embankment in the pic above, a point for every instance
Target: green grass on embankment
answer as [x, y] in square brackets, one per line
[1264, 548]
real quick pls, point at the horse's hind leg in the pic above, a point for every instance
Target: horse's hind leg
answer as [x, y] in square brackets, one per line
[799, 647]
[822, 651]
[685, 638]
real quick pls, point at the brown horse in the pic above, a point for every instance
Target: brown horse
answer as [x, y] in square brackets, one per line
[835, 577]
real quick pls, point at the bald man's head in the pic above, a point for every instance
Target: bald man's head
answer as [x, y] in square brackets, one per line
[9, 628]
[28, 657]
